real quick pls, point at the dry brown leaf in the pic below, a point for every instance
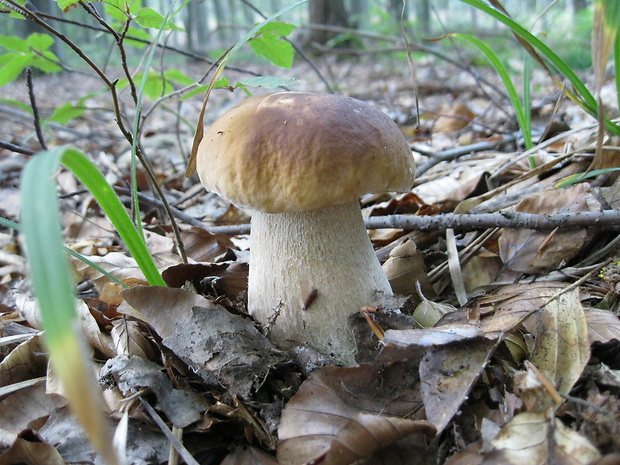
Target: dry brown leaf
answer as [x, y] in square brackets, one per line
[248, 455]
[562, 347]
[332, 397]
[25, 362]
[427, 313]
[132, 374]
[94, 336]
[603, 325]
[30, 450]
[22, 410]
[222, 348]
[129, 340]
[529, 251]
[117, 264]
[202, 246]
[405, 268]
[534, 438]
[448, 374]
[366, 434]
[454, 119]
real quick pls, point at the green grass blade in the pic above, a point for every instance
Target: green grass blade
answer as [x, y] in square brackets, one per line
[50, 276]
[581, 95]
[96, 183]
[617, 66]
[508, 84]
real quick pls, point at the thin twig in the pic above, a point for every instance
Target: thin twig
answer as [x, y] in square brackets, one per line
[35, 109]
[16, 148]
[602, 220]
[452, 154]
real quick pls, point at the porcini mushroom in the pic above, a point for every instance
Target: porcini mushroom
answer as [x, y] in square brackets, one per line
[301, 162]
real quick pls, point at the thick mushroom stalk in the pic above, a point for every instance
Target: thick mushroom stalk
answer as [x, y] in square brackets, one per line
[309, 271]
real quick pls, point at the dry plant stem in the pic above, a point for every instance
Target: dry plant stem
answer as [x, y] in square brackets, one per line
[183, 452]
[326, 252]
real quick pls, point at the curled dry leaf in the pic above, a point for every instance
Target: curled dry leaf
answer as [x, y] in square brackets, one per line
[454, 355]
[132, 374]
[405, 268]
[202, 246]
[351, 411]
[30, 449]
[129, 340]
[366, 434]
[248, 455]
[534, 252]
[19, 410]
[562, 347]
[222, 348]
[448, 374]
[603, 325]
[117, 264]
[25, 362]
[454, 118]
[538, 438]
[427, 313]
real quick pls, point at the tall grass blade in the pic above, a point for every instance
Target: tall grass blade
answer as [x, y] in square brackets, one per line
[96, 183]
[49, 273]
[580, 93]
[522, 119]
[605, 29]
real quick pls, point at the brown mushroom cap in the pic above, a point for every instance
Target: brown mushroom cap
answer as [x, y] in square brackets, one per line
[291, 151]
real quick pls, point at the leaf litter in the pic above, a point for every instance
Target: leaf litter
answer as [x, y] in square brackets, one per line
[526, 371]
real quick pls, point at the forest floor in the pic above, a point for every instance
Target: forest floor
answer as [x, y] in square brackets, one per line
[501, 345]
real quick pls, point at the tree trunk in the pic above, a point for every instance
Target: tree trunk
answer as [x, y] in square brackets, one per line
[423, 18]
[327, 13]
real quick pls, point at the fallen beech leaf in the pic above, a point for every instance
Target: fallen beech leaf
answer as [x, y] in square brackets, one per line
[202, 246]
[25, 362]
[222, 348]
[325, 413]
[230, 278]
[411, 344]
[366, 434]
[145, 446]
[428, 313]
[30, 450]
[248, 455]
[129, 340]
[454, 119]
[405, 268]
[603, 325]
[535, 438]
[117, 264]
[132, 374]
[448, 374]
[534, 252]
[21, 409]
[562, 348]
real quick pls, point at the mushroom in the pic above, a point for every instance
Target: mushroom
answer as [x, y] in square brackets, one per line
[300, 162]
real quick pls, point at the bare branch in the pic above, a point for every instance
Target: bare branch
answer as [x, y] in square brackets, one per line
[607, 220]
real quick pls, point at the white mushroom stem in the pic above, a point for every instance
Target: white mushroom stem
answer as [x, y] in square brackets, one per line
[324, 253]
